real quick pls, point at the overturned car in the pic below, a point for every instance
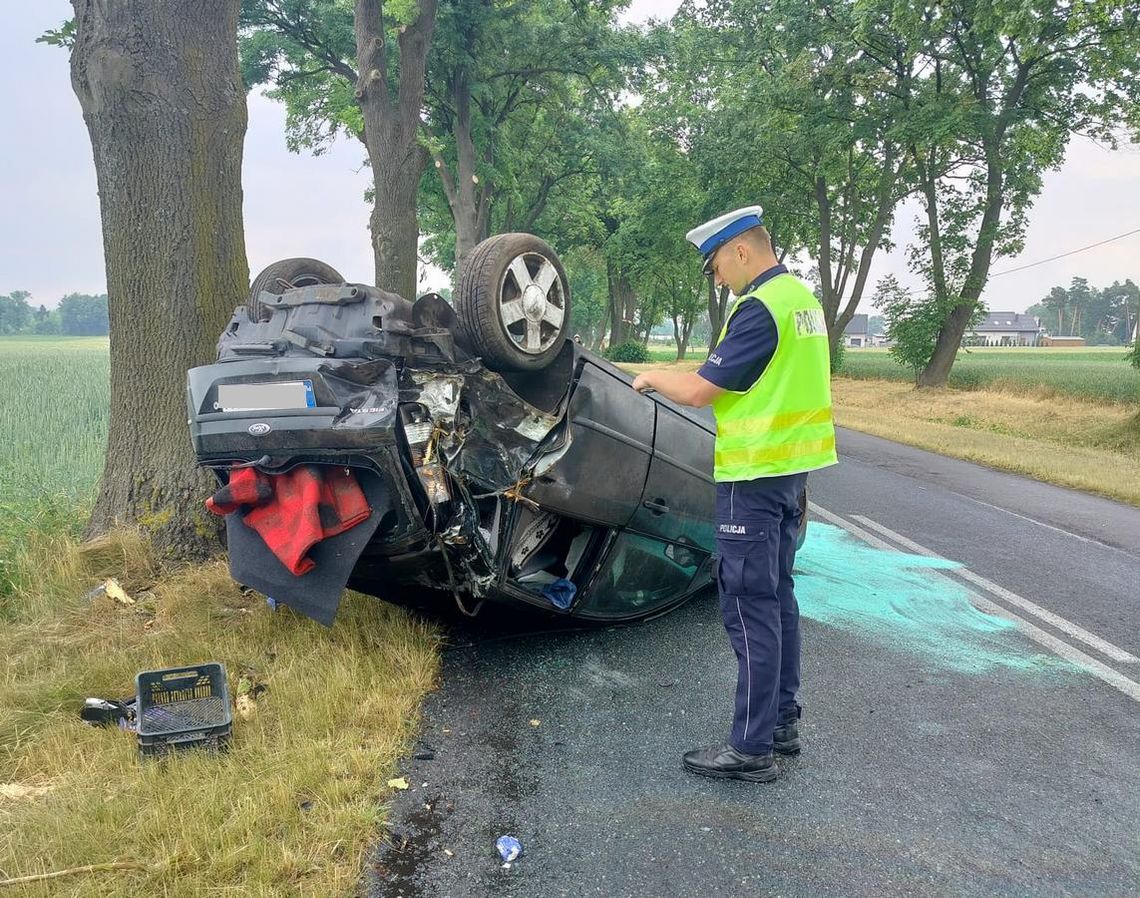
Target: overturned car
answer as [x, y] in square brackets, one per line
[472, 454]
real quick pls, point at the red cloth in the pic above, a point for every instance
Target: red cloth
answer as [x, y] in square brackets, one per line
[246, 487]
[294, 511]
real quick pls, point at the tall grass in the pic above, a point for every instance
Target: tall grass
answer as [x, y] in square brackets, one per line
[290, 809]
[53, 425]
[293, 806]
[53, 433]
[1098, 374]
[1092, 446]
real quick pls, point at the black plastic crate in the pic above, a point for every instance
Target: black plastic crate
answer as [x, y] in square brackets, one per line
[183, 707]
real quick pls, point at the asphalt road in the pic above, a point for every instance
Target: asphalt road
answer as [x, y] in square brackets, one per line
[968, 730]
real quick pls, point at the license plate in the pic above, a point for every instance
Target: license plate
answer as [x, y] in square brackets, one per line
[258, 397]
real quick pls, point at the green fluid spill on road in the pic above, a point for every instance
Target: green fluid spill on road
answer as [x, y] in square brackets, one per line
[894, 598]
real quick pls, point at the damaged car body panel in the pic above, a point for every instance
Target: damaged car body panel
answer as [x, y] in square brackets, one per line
[560, 488]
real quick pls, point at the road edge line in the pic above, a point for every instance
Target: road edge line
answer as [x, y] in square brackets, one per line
[1076, 631]
[1059, 647]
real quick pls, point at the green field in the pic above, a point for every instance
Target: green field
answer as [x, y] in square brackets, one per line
[54, 422]
[699, 353]
[53, 430]
[1099, 374]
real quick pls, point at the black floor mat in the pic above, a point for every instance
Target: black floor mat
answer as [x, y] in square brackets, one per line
[316, 594]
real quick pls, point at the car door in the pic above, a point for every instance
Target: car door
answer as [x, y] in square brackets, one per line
[599, 475]
[679, 499]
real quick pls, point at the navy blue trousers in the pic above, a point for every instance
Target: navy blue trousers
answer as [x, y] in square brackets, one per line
[756, 527]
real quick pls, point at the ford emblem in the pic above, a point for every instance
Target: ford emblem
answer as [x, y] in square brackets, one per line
[259, 429]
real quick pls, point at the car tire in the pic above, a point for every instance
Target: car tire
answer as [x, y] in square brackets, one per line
[513, 302]
[283, 275]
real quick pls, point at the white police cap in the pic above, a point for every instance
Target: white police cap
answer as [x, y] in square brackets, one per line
[712, 235]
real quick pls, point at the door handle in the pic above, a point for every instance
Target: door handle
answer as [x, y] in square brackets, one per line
[657, 506]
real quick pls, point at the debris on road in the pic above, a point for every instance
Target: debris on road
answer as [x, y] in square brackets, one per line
[509, 849]
[398, 783]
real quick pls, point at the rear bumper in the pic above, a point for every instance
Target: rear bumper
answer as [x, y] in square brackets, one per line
[354, 422]
[350, 414]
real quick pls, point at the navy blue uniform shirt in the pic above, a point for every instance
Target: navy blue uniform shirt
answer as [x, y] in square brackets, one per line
[743, 355]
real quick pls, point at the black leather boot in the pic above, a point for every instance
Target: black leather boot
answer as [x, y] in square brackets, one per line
[725, 762]
[786, 738]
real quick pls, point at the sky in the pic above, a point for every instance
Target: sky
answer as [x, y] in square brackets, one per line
[305, 205]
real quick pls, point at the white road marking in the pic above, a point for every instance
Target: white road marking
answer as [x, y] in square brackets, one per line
[1075, 630]
[1060, 648]
[1014, 514]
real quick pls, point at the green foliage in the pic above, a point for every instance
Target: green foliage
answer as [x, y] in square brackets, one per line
[517, 97]
[1014, 82]
[827, 116]
[1105, 316]
[838, 356]
[631, 352]
[17, 317]
[82, 315]
[912, 323]
[63, 36]
[46, 321]
[15, 313]
[787, 82]
[586, 270]
[305, 51]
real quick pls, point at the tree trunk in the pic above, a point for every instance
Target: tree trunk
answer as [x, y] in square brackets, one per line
[391, 116]
[885, 203]
[718, 307]
[937, 370]
[468, 200]
[682, 335]
[394, 222]
[623, 303]
[164, 105]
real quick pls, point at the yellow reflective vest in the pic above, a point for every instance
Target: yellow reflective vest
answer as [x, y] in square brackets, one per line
[782, 425]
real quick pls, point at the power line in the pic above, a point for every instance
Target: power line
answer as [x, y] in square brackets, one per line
[1071, 252]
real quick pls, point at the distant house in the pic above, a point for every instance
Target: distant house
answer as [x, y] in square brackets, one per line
[855, 334]
[1005, 329]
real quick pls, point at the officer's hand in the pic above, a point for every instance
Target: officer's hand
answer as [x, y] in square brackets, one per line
[641, 384]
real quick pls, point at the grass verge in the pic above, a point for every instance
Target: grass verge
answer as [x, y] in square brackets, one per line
[289, 810]
[1043, 434]
[1058, 439]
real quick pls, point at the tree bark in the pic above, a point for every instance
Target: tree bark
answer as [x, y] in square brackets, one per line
[682, 330]
[391, 134]
[718, 307]
[164, 105]
[623, 304]
[937, 370]
[470, 201]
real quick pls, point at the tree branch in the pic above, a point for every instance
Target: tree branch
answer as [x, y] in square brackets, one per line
[371, 53]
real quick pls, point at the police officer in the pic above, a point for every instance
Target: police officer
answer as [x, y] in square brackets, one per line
[768, 381]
